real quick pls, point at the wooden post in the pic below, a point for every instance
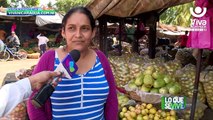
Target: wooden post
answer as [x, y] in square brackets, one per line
[105, 42]
[151, 23]
[196, 84]
[101, 34]
[19, 28]
[121, 23]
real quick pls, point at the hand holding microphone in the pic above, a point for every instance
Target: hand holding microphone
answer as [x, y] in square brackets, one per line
[67, 67]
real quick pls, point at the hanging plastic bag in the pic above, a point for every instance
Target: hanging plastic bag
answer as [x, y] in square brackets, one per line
[201, 38]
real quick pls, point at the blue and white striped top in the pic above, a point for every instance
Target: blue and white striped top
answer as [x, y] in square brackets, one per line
[82, 97]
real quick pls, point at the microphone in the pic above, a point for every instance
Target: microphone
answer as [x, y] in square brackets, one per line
[70, 68]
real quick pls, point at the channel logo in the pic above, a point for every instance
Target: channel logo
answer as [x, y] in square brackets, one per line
[71, 66]
[198, 12]
[198, 23]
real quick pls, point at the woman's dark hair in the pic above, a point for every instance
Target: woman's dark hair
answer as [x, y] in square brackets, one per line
[80, 9]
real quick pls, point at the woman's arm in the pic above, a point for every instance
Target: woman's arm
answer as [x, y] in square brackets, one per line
[111, 107]
[46, 62]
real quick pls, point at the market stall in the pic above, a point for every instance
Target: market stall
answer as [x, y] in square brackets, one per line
[142, 10]
[126, 73]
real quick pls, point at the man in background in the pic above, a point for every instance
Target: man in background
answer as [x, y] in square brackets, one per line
[13, 41]
[42, 43]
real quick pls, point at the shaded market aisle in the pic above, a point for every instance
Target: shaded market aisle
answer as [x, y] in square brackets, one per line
[14, 65]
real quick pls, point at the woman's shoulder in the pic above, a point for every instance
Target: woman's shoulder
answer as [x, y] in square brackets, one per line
[102, 57]
[99, 53]
[49, 53]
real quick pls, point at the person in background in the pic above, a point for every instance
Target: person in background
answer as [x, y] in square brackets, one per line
[58, 37]
[13, 41]
[91, 92]
[22, 90]
[42, 43]
[182, 41]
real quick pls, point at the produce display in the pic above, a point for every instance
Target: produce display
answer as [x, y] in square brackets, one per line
[186, 77]
[155, 81]
[146, 111]
[206, 78]
[146, 80]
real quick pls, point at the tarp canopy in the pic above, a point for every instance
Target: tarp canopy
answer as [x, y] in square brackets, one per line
[43, 20]
[129, 8]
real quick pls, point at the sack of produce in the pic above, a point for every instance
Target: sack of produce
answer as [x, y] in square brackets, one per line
[199, 111]
[120, 69]
[186, 78]
[185, 56]
[172, 67]
[206, 78]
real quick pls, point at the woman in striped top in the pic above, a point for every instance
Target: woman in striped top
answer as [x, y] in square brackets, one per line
[90, 94]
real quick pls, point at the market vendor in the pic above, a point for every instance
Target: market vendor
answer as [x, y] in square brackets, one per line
[22, 90]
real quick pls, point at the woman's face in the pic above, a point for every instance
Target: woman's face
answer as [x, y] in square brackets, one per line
[78, 32]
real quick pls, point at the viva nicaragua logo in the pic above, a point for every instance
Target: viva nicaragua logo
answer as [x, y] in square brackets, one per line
[197, 23]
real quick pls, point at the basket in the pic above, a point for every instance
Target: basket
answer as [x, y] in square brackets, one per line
[133, 95]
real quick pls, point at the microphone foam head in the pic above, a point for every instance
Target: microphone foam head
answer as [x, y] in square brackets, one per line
[75, 54]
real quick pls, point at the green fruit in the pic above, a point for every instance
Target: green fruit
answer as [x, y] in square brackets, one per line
[148, 72]
[169, 85]
[145, 89]
[139, 117]
[174, 90]
[157, 75]
[121, 115]
[167, 79]
[139, 80]
[163, 90]
[154, 90]
[178, 85]
[148, 80]
[124, 109]
[132, 86]
[159, 83]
